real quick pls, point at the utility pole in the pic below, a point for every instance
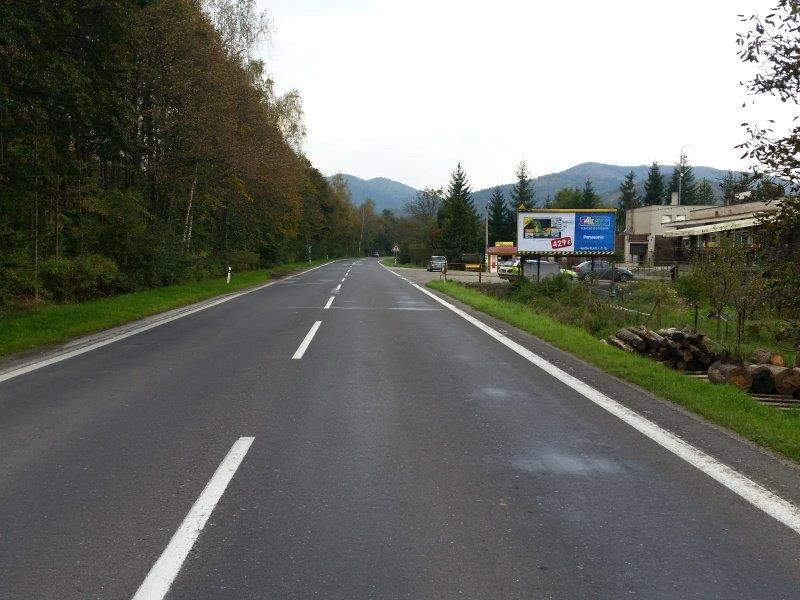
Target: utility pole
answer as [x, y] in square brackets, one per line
[486, 241]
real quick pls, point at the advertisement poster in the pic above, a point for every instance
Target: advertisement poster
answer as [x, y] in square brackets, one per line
[565, 232]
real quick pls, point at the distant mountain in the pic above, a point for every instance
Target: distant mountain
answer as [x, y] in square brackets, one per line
[606, 180]
[386, 194]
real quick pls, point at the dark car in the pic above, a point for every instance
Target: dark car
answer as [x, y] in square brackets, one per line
[437, 263]
[602, 270]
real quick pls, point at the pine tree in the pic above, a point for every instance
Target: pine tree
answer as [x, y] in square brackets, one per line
[628, 199]
[522, 193]
[687, 187]
[457, 219]
[704, 194]
[589, 198]
[501, 219]
[653, 186]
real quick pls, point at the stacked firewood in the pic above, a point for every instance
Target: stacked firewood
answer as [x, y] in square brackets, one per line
[678, 349]
[766, 374]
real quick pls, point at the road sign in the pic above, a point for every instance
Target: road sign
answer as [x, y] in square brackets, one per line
[396, 249]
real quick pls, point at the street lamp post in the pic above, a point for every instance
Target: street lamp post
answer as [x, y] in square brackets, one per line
[680, 173]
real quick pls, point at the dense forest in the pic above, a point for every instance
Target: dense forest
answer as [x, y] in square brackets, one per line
[142, 144]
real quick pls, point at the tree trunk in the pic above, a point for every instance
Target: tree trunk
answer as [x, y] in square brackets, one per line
[186, 233]
[632, 340]
[734, 375]
[787, 381]
[763, 382]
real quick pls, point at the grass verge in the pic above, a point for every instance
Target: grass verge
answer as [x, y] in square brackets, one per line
[729, 407]
[389, 262]
[54, 323]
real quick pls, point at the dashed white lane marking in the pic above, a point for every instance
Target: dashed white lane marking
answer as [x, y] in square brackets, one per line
[306, 341]
[163, 573]
[343, 278]
[338, 287]
[754, 493]
[121, 336]
[330, 301]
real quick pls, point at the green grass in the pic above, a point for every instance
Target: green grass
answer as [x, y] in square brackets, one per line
[54, 323]
[389, 262]
[727, 406]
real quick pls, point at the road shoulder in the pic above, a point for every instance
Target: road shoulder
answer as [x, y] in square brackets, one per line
[763, 466]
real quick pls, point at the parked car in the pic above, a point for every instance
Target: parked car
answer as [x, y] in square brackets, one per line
[602, 270]
[509, 269]
[376, 255]
[569, 272]
[437, 263]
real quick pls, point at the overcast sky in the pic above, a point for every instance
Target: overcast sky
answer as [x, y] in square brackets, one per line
[405, 90]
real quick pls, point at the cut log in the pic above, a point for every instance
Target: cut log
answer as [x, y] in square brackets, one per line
[763, 382]
[632, 340]
[734, 375]
[767, 357]
[661, 341]
[761, 356]
[615, 341]
[787, 381]
[777, 360]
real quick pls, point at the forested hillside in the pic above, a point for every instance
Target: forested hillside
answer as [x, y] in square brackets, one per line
[605, 178]
[141, 144]
[385, 193]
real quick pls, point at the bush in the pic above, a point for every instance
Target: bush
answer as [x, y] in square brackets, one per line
[243, 260]
[81, 278]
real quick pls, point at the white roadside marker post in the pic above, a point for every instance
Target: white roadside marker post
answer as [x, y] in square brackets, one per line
[229, 275]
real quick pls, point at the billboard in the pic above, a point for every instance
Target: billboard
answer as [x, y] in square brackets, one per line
[566, 232]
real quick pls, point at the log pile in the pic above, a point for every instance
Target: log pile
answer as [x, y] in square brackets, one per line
[677, 349]
[767, 375]
[759, 380]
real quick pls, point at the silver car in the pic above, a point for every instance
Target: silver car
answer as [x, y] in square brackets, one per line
[437, 263]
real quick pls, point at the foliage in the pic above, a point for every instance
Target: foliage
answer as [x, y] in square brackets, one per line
[653, 186]
[502, 220]
[567, 198]
[522, 195]
[772, 44]
[692, 288]
[704, 192]
[628, 199]
[457, 218]
[589, 198]
[682, 183]
[146, 134]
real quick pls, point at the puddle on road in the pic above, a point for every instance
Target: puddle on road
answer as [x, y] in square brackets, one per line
[558, 463]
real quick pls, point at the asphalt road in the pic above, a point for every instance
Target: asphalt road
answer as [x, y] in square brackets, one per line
[404, 454]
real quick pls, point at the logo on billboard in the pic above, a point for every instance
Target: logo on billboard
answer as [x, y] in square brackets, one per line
[595, 221]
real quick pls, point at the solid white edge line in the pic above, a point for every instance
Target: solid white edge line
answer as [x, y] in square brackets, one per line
[330, 301]
[163, 573]
[306, 341]
[757, 495]
[84, 349]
